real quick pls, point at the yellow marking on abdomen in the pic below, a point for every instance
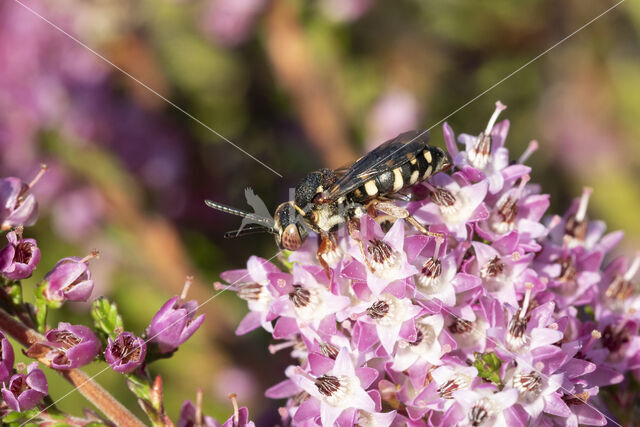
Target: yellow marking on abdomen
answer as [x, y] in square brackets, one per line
[427, 155]
[371, 188]
[397, 179]
[427, 172]
[414, 177]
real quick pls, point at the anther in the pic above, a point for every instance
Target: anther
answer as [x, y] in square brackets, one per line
[378, 310]
[299, 296]
[94, 254]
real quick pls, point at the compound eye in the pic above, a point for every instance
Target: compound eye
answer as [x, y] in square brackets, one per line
[291, 238]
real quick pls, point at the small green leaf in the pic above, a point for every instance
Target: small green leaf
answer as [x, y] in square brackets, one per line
[488, 366]
[106, 318]
[15, 417]
[42, 309]
[139, 386]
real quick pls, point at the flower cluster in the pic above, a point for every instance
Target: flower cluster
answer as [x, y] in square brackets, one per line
[68, 346]
[507, 318]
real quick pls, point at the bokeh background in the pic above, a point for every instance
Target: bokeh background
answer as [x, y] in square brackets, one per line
[299, 84]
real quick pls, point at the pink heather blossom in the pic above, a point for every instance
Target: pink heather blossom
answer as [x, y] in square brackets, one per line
[508, 317]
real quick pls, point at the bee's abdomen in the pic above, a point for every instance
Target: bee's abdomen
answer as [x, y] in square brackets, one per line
[395, 179]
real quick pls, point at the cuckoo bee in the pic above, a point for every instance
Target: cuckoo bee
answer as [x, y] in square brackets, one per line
[326, 199]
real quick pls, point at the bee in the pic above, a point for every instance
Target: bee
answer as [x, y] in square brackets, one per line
[327, 199]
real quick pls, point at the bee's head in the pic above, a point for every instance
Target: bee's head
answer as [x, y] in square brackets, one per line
[289, 227]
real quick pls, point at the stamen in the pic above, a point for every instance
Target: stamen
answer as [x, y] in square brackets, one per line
[327, 384]
[379, 250]
[478, 414]
[456, 382]
[442, 197]
[274, 348]
[500, 107]
[94, 254]
[236, 410]
[525, 302]
[595, 336]
[329, 350]
[633, 268]
[41, 172]
[299, 296]
[528, 383]
[532, 148]
[584, 202]
[460, 326]
[185, 289]
[492, 268]
[378, 310]
[199, 407]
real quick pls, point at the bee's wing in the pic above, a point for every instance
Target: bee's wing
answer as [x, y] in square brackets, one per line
[388, 155]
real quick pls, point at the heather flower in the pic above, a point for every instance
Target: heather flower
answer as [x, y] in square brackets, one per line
[252, 284]
[306, 301]
[454, 202]
[617, 293]
[389, 314]
[18, 206]
[338, 390]
[20, 257]
[6, 358]
[426, 348]
[485, 406]
[174, 323]
[69, 280]
[188, 417]
[24, 391]
[386, 260]
[126, 353]
[73, 346]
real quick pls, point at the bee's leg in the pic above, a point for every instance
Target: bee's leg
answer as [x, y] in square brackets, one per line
[401, 213]
[327, 247]
[353, 226]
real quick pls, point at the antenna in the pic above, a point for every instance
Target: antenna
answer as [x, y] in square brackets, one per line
[267, 222]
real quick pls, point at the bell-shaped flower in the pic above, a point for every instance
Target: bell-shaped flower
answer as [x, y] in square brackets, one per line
[20, 257]
[69, 280]
[125, 353]
[24, 391]
[73, 346]
[18, 206]
[6, 358]
[174, 323]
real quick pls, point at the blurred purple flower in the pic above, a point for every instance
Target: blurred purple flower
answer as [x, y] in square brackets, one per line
[126, 353]
[24, 391]
[69, 280]
[18, 206]
[74, 346]
[6, 358]
[20, 257]
[230, 22]
[394, 113]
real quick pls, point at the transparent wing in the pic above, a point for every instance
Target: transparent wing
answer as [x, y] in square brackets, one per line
[388, 155]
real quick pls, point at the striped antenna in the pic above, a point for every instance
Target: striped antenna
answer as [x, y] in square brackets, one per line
[267, 222]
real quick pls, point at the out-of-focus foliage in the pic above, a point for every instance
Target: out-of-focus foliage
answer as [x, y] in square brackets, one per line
[298, 84]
